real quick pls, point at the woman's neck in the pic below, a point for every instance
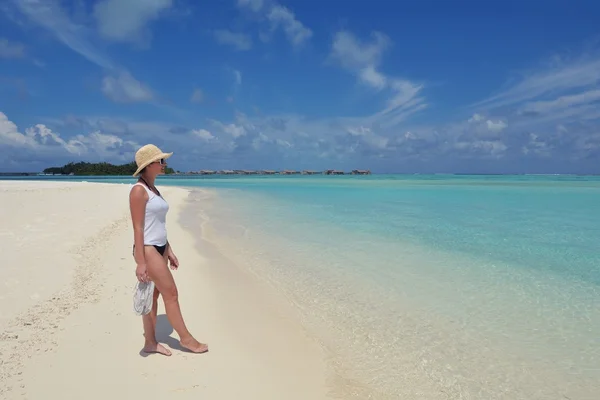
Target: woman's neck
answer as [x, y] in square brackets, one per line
[149, 180]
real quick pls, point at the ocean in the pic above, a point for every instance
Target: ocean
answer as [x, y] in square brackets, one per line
[426, 286]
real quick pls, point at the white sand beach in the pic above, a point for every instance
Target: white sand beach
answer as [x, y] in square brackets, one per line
[68, 331]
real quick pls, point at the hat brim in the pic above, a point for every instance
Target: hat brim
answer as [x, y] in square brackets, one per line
[150, 161]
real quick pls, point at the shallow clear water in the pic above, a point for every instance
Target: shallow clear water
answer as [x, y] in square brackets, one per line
[428, 286]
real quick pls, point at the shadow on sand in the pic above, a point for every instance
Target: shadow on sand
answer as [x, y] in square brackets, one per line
[163, 335]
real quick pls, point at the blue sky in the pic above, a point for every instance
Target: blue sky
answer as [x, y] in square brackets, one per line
[428, 86]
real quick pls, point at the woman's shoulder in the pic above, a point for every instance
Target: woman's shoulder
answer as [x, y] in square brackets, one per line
[138, 191]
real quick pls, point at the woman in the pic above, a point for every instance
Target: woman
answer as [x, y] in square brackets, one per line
[152, 250]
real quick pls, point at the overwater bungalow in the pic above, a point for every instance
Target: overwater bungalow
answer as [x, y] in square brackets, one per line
[361, 172]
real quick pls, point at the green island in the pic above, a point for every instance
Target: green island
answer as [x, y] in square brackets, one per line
[103, 168]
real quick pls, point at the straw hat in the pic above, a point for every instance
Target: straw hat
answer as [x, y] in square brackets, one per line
[148, 154]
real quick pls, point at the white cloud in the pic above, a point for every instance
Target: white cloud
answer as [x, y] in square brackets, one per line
[523, 119]
[278, 17]
[128, 20]
[203, 134]
[10, 135]
[476, 118]
[239, 41]
[292, 141]
[254, 5]
[534, 114]
[39, 141]
[234, 130]
[372, 77]
[261, 139]
[536, 146]
[11, 49]
[493, 148]
[496, 126]
[369, 138]
[485, 126]
[354, 54]
[295, 31]
[124, 88]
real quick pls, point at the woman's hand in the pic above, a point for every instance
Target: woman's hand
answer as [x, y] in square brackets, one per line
[173, 260]
[142, 273]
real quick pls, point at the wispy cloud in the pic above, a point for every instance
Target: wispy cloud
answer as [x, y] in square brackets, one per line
[550, 113]
[295, 31]
[51, 16]
[279, 17]
[254, 5]
[128, 20]
[363, 58]
[560, 103]
[124, 88]
[564, 78]
[357, 55]
[239, 41]
[237, 76]
[543, 105]
[118, 84]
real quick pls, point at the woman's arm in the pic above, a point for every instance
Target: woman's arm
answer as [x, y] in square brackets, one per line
[137, 206]
[172, 257]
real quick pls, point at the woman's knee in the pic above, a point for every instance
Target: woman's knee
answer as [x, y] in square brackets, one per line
[170, 293]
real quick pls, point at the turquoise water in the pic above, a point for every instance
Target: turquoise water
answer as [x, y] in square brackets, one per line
[544, 222]
[441, 286]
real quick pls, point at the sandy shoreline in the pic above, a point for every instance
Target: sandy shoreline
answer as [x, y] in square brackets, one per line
[66, 321]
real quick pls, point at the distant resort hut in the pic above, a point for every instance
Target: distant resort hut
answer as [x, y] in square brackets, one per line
[333, 172]
[284, 172]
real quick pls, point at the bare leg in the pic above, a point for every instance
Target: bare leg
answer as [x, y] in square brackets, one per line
[154, 306]
[151, 345]
[163, 280]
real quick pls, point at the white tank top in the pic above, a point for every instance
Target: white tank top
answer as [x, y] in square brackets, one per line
[155, 221]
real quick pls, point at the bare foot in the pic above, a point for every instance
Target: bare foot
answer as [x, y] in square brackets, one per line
[194, 346]
[156, 348]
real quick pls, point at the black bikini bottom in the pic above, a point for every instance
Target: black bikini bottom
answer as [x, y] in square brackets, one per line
[161, 249]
